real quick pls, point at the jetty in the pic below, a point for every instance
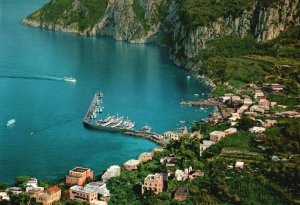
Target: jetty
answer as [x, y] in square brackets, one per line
[225, 112]
[88, 123]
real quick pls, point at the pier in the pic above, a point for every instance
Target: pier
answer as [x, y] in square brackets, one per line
[225, 112]
[88, 124]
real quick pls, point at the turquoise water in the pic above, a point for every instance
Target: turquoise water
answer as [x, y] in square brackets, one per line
[138, 81]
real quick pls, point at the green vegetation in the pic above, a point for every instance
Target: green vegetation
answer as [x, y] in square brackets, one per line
[84, 12]
[201, 12]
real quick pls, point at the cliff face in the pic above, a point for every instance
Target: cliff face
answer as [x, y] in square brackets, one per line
[138, 21]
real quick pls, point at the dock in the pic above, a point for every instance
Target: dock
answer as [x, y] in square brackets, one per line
[88, 124]
[225, 112]
[91, 108]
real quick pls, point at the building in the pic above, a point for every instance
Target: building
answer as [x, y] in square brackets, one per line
[248, 102]
[195, 174]
[146, 156]
[204, 145]
[288, 114]
[153, 183]
[169, 161]
[32, 187]
[171, 135]
[32, 182]
[257, 129]
[132, 164]
[235, 116]
[264, 103]
[15, 190]
[4, 196]
[80, 193]
[79, 175]
[34, 192]
[181, 175]
[216, 136]
[269, 123]
[180, 194]
[239, 165]
[99, 187]
[256, 108]
[157, 149]
[242, 109]
[273, 87]
[112, 171]
[258, 94]
[50, 196]
[230, 131]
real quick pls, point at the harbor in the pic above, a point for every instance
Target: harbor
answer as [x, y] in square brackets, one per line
[115, 124]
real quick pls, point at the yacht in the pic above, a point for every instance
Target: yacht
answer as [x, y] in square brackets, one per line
[70, 79]
[10, 122]
[146, 128]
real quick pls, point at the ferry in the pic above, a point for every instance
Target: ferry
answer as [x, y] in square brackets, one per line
[70, 79]
[10, 122]
[146, 128]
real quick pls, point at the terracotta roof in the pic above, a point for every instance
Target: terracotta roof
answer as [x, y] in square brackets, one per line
[181, 191]
[53, 189]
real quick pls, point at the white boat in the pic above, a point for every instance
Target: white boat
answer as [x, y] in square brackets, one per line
[188, 77]
[70, 79]
[10, 122]
[146, 128]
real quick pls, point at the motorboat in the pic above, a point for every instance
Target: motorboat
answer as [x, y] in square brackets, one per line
[146, 128]
[10, 122]
[70, 79]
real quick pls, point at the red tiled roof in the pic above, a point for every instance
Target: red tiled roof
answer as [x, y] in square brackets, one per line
[53, 189]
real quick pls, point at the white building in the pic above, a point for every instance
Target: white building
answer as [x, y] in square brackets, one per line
[112, 171]
[257, 129]
[4, 196]
[205, 144]
[132, 164]
[171, 135]
[32, 186]
[99, 187]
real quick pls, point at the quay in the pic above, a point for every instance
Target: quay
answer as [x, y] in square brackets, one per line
[225, 112]
[86, 119]
[88, 124]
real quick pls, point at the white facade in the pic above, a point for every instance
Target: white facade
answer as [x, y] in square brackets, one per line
[99, 187]
[205, 144]
[112, 171]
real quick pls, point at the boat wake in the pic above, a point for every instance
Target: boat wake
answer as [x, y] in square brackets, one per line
[59, 123]
[34, 77]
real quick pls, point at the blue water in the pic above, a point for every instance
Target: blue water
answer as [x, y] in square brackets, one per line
[138, 81]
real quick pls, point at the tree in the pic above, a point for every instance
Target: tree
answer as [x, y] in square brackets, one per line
[245, 123]
[3, 186]
[21, 180]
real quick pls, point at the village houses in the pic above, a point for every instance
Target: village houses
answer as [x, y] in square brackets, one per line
[146, 156]
[153, 183]
[49, 196]
[79, 175]
[216, 136]
[132, 164]
[204, 145]
[112, 171]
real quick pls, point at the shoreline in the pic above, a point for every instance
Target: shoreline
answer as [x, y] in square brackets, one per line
[202, 78]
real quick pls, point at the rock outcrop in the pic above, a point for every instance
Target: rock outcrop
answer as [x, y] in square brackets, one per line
[139, 21]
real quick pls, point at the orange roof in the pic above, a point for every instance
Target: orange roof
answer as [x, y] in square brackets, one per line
[53, 189]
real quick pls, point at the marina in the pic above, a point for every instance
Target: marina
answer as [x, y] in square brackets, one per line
[115, 123]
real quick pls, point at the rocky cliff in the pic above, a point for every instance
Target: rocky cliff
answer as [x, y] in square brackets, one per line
[139, 21]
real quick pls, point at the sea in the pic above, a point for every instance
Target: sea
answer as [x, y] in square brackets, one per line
[138, 81]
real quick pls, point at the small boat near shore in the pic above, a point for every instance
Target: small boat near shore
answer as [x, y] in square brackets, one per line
[146, 128]
[70, 79]
[10, 122]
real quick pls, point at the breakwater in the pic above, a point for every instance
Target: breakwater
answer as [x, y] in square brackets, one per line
[151, 136]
